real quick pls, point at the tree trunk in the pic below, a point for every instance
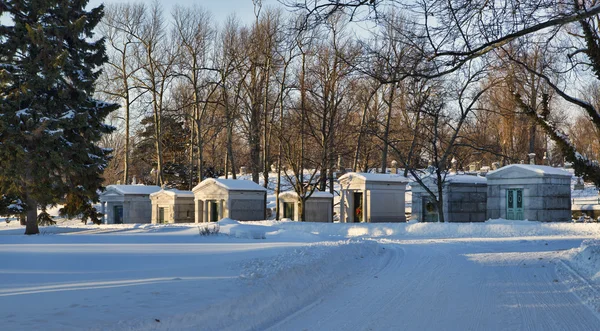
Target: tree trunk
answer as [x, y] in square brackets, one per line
[386, 132]
[32, 226]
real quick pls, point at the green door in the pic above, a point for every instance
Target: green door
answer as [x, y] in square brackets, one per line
[214, 211]
[161, 215]
[288, 210]
[514, 204]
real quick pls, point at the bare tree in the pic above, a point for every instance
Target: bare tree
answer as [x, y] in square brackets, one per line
[120, 25]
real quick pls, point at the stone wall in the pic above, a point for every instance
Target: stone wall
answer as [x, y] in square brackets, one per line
[465, 203]
[462, 202]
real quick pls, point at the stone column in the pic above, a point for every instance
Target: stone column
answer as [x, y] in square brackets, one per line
[342, 206]
[197, 210]
[205, 212]
[103, 211]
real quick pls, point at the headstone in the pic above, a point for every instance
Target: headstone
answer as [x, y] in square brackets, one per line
[579, 184]
[495, 165]
[273, 168]
[531, 158]
[453, 162]
[472, 167]
[394, 167]
[133, 181]
[243, 170]
[546, 161]
[568, 165]
[119, 182]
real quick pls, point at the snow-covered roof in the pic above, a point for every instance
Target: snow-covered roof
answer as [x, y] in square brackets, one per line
[315, 194]
[540, 170]
[175, 193]
[461, 178]
[231, 184]
[454, 178]
[370, 177]
[134, 189]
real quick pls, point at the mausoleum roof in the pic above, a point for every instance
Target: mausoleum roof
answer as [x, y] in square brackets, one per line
[231, 184]
[134, 189]
[528, 170]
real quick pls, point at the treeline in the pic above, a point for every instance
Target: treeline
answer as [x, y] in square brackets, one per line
[201, 100]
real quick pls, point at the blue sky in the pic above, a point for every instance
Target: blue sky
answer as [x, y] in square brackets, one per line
[220, 9]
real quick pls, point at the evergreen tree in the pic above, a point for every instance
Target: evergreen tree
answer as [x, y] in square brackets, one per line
[50, 123]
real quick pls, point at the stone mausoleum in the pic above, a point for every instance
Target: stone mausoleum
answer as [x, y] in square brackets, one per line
[368, 197]
[172, 206]
[464, 199]
[217, 198]
[529, 192]
[127, 204]
[317, 208]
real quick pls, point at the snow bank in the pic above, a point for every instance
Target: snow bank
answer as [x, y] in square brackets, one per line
[586, 260]
[490, 229]
[580, 271]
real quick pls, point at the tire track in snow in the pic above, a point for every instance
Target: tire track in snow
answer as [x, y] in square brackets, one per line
[449, 285]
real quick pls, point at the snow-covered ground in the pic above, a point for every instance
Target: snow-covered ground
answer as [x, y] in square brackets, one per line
[498, 275]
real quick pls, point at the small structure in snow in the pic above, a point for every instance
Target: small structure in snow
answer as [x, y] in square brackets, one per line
[172, 206]
[464, 197]
[217, 198]
[127, 204]
[367, 197]
[317, 208]
[529, 192]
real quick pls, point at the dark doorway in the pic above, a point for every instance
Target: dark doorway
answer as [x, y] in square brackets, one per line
[118, 212]
[214, 211]
[358, 207]
[288, 210]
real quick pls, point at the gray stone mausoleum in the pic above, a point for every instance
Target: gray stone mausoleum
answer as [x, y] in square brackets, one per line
[172, 206]
[529, 192]
[127, 204]
[217, 198]
[464, 196]
[317, 208]
[368, 197]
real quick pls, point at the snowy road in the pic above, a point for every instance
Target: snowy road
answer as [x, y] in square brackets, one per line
[453, 285]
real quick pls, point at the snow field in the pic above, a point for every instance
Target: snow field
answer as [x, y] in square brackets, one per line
[292, 276]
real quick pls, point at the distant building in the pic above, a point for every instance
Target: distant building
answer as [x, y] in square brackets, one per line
[317, 208]
[529, 192]
[172, 206]
[464, 198]
[217, 198]
[127, 204]
[368, 197]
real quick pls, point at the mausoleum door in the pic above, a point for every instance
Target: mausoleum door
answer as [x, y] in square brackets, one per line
[161, 215]
[214, 211]
[430, 210]
[118, 214]
[358, 207]
[514, 204]
[288, 210]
